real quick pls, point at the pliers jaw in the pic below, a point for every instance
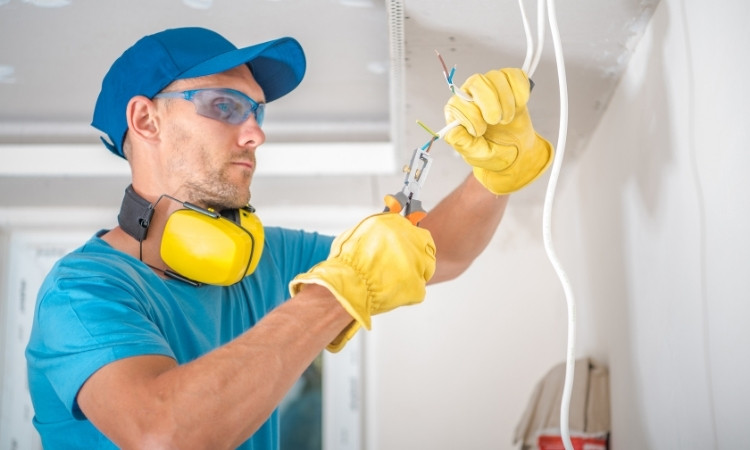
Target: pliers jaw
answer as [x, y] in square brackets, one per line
[406, 201]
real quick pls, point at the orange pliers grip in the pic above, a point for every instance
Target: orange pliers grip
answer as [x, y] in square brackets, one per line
[395, 202]
[406, 201]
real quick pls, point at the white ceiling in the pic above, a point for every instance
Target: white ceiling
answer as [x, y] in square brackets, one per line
[54, 54]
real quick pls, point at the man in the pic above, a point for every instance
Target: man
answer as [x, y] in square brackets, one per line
[175, 329]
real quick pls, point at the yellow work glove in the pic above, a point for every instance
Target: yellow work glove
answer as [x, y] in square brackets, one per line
[380, 264]
[496, 136]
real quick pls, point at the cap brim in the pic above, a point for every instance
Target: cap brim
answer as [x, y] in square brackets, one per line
[278, 66]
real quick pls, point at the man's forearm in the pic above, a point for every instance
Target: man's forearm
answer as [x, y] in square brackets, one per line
[220, 399]
[462, 225]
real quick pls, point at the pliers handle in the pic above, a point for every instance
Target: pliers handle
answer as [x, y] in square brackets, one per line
[406, 201]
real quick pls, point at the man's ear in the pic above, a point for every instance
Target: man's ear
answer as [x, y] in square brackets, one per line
[143, 122]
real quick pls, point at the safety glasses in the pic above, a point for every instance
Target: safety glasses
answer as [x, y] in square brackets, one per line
[226, 105]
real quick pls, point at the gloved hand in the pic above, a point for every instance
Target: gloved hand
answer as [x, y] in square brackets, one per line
[380, 264]
[496, 136]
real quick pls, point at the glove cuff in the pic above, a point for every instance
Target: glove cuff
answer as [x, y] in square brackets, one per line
[344, 282]
[345, 336]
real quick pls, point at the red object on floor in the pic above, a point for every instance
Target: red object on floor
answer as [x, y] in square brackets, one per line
[548, 442]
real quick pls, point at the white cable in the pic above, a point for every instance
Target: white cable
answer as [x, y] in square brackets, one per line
[440, 134]
[547, 228]
[551, 186]
[540, 38]
[530, 67]
[529, 40]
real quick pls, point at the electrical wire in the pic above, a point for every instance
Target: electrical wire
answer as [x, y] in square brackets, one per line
[457, 91]
[533, 56]
[540, 37]
[548, 204]
[529, 39]
[530, 66]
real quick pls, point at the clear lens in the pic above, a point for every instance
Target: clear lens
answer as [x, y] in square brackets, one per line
[226, 105]
[222, 106]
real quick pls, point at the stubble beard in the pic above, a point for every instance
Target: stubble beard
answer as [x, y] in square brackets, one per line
[217, 193]
[211, 186]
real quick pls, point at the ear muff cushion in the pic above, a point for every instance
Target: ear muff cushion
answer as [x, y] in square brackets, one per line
[208, 249]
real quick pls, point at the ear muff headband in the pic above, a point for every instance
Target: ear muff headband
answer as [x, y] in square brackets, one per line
[250, 222]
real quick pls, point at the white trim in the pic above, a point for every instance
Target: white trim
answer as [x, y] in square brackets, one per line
[343, 401]
[63, 217]
[296, 131]
[331, 158]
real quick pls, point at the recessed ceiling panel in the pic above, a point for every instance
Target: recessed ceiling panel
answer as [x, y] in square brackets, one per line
[54, 54]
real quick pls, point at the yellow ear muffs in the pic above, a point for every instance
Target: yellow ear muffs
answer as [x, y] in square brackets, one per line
[205, 247]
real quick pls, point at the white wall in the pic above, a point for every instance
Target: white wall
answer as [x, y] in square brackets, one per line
[456, 372]
[651, 224]
[657, 233]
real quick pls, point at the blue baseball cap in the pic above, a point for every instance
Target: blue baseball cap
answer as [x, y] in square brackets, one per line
[155, 61]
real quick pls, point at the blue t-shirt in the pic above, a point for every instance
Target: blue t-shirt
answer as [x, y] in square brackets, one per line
[99, 305]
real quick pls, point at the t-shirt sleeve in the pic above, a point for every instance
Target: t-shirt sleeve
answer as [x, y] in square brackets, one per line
[296, 251]
[84, 323]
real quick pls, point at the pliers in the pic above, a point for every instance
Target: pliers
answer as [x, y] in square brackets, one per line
[406, 201]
